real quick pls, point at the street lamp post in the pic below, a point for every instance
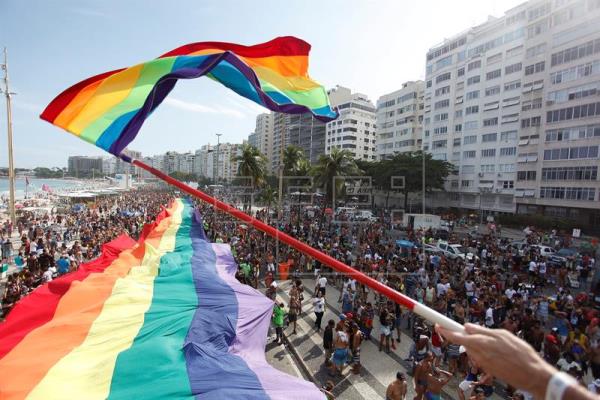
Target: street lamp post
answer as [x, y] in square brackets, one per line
[11, 167]
[216, 167]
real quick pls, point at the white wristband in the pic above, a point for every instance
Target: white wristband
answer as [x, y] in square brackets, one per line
[558, 384]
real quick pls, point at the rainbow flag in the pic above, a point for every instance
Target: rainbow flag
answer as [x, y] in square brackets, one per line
[164, 318]
[109, 109]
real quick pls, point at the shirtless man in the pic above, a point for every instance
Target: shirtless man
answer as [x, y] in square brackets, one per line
[420, 376]
[435, 382]
[397, 389]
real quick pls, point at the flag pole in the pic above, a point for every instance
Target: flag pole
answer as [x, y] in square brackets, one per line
[418, 308]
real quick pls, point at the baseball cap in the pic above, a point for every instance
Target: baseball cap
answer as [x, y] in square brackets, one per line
[342, 317]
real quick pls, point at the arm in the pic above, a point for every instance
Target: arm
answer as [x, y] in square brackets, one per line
[524, 369]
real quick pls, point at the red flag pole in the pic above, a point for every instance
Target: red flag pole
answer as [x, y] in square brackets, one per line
[418, 308]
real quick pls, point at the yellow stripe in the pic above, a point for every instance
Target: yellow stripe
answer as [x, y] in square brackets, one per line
[111, 92]
[86, 372]
[285, 82]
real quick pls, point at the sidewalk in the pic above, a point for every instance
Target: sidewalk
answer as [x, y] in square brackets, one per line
[378, 368]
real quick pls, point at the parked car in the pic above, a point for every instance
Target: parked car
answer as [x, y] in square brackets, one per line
[561, 256]
[454, 251]
[545, 251]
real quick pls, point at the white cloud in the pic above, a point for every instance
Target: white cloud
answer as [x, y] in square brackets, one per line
[247, 105]
[200, 108]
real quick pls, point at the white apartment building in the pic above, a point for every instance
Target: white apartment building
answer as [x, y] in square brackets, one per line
[355, 129]
[400, 120]
[472, 112]
[264, 135]
[557, 169]
[512, 103]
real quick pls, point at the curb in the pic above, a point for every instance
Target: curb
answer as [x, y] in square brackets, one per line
[300, 362]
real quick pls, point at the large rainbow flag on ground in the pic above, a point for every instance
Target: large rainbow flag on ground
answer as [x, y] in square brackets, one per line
[109, 109]
[163, 318]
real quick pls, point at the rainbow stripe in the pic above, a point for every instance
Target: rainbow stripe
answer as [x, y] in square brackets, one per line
[109, 109]
[162, 319]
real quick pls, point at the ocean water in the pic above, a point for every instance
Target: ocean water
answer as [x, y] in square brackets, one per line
[36, 184]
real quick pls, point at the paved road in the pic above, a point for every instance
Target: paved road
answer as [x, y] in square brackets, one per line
[379, 368]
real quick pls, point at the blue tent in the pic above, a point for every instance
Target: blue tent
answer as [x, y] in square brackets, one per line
[405, 243]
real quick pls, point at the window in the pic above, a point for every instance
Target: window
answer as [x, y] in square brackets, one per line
[471, 110]
[441, 130]
[515, 51]
[508, 135]
[443, 62]
[488, 168]
[456, 142]
[441, 104]
[473, 95]
[490, 121]
[538, 28]
[570, 74]
[438, 144]
[468, 169]
[488, 153]
[458, 113]
[461, 71]
[535, 50]
[526, 175]
[509, 118]
[575, 53]
[508, 151]
[494, 105]
[569, 193]
[533, 121]
[473, 65]
[442, 90]
[489, 137]
[574, 93]
[458, 128]
[473, 80]
[493, 74]
[536, 12]
[506, 167]
[470, 125]
[507, 184]
[509, 69]
[532, 104]
[571, 153]
[493, 59]
[582, 173]
[573, 133]
[512, 85]
[428, 83]
[535, 68]
[576, 112]
[443, 77]
[492, 90]
[466, 183]
[470, 139]
[469, 154]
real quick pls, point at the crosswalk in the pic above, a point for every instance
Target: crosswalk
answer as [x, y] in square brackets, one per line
[378, 368]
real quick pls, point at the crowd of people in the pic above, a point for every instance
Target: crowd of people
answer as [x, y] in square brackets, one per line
[55, 243]
[500, 286]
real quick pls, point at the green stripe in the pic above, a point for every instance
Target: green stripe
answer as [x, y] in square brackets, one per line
[313, 98]
[154, 366]
[151, 73]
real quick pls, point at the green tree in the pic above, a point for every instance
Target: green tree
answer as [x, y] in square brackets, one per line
[337, 163]
[292, 158]
[183, 176]
[268, 197]
[410, 166]
[253, 164]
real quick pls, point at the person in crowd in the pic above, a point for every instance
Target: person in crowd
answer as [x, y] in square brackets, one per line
[328, 341]
[319, 308]
[397, 389]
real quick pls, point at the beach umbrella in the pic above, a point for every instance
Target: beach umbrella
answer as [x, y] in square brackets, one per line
[405, 243]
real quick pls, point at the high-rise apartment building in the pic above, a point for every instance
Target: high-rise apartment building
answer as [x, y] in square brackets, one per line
[511, 103]
[354, 130]
[400, 120]
[84, 165]
[264, 135]
[302, 130]
[559, 138]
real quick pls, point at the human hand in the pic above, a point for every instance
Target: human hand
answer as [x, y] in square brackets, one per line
[504, 356]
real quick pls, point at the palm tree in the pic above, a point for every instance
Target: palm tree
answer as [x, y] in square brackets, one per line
[252, 164]
[337, 163]
[268, 196]
[292, 157]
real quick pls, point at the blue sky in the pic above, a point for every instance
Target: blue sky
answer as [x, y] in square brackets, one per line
[370, 46]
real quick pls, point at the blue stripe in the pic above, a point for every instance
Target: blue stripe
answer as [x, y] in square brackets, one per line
[231, 77]
[111, 133]
[215, 373]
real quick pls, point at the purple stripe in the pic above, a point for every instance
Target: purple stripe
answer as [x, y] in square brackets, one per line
[254, 316]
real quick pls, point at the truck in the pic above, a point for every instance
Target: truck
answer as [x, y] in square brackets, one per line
[422, 221]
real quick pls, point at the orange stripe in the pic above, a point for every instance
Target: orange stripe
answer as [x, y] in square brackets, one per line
[49, 343]
[76, 105]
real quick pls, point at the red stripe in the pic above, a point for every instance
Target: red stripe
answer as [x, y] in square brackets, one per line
[38, 308]
[281, 46]
[62, 100]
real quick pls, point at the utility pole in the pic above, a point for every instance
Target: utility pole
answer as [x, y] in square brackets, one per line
[11, 167]
[216, 167]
